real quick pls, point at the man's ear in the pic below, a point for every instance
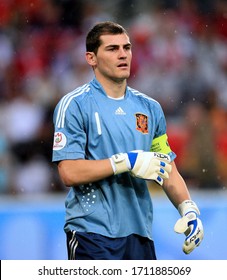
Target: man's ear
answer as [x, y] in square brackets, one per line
[91, 58]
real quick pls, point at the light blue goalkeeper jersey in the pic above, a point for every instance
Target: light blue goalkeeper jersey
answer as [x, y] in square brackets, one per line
[90, 125]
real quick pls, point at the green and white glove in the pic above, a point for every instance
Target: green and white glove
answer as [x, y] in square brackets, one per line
[190, 225]
[145, 165]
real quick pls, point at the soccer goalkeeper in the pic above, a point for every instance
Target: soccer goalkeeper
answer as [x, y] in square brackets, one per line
[109, 141]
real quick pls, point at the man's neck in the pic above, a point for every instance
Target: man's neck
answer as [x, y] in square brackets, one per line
[114, 89]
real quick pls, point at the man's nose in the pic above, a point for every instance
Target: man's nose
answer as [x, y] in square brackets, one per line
[122, 53]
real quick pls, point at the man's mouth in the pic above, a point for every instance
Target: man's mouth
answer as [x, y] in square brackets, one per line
[122, 65]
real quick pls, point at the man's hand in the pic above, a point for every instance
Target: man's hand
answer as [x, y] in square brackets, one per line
[190, 225]
[145, 165]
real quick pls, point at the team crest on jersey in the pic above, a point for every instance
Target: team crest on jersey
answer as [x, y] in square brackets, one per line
[59, 141]
[141, 122]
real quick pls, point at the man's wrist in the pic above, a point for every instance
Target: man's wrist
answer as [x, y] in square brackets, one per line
[120, 163]
[188, 206]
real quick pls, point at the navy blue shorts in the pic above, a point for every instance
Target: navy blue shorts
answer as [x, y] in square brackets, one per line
[92, 246]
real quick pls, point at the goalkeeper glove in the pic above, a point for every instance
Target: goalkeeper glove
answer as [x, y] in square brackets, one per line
[190, 225]
[145, 165]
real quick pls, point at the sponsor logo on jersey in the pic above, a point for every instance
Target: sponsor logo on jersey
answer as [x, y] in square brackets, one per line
[120, 111]
[59, 141]
[141, 123]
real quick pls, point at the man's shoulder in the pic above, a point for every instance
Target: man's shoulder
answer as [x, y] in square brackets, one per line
[76, 95]
[143, 96]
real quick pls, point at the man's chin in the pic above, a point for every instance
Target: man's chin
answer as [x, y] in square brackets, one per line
[123, 77]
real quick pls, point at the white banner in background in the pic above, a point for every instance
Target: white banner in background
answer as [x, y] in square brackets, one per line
[141, 270]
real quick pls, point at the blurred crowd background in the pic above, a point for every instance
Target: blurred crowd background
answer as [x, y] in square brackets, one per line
[179, 58]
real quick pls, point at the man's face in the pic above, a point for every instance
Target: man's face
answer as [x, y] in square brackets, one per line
[113, 59]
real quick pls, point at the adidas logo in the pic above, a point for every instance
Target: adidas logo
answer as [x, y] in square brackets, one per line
[120, 111]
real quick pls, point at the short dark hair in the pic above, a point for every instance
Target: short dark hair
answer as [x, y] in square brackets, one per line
[93, 41]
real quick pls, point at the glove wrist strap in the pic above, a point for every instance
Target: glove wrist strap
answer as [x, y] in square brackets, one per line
[187, 206]
[120, 163]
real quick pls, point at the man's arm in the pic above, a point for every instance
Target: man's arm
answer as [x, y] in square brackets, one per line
[81, 171]
[189, 223]
[175, 187]
[144, 165]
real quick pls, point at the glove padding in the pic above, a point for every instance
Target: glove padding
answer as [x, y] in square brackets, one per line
[145, 165]
[190, 225]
